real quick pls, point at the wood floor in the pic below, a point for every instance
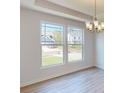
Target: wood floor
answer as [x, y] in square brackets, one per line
[85, 81]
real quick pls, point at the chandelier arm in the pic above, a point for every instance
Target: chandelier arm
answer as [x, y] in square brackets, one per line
[95, 26]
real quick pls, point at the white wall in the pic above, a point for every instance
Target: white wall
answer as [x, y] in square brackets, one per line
[99, 50]
[30, 48]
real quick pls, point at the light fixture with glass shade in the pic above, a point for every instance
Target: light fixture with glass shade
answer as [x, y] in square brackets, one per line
[95, 25]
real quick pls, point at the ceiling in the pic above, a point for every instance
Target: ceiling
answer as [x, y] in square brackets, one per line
[84, 6]
[81, 6]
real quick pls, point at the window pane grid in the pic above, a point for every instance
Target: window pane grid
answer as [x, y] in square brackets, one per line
[55, 42]
[75, 42]
[51, 44]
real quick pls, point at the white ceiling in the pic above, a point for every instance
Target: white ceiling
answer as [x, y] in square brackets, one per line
[84, 6]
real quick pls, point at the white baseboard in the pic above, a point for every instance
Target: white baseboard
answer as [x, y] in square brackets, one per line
[99, 67]
[40, 80]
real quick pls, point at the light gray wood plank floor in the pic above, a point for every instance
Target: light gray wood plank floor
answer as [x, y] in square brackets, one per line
[85, 81]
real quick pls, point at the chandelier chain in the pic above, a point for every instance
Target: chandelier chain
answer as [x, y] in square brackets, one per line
[95, 25]
[95, 8]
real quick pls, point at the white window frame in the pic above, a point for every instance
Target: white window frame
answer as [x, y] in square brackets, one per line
[82, 46]
[52, 23]
[65, 45]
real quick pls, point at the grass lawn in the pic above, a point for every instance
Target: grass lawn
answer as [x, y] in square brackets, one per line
[50, 60]
[74, 48]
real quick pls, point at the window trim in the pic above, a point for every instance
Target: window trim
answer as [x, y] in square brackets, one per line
[52, 23]
[82, 45]
[64, 44]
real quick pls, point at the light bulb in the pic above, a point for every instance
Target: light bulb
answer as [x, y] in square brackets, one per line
[96, 23]
[87, 25]
[90, 27]
[99, 28]
[102, 25]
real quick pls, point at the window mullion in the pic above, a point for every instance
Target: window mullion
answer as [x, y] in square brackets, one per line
[65, 46]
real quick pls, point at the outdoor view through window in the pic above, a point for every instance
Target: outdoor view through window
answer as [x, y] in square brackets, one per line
[52, 44]
[74, 44]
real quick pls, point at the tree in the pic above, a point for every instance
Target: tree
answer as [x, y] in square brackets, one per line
[57, 36]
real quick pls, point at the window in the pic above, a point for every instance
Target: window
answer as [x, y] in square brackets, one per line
[51, 44]
[60, 46]
[75, 42]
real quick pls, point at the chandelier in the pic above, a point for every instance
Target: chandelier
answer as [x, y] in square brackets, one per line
[95, 25]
